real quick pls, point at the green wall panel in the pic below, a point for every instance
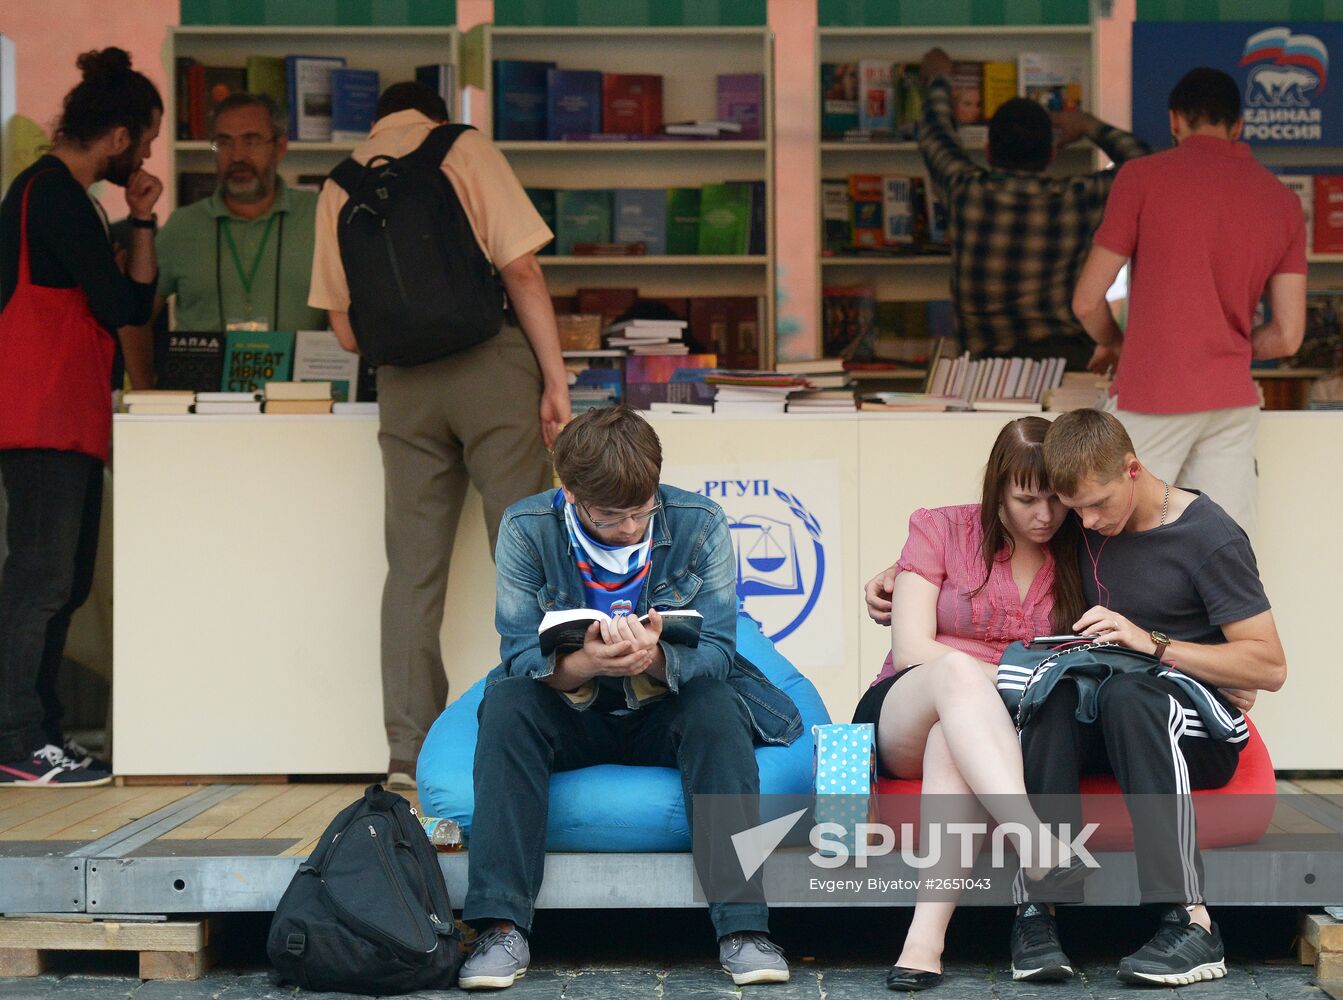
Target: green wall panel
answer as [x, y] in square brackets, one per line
[1240, 10]
[292, 13]
[630, 13]
[879, 13]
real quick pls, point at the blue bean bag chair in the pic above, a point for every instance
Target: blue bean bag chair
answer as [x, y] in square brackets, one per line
[650, 815]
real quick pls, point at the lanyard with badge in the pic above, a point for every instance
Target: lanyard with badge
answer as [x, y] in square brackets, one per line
[249, 320]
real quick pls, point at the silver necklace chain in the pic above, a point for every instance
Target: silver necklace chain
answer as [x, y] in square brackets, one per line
[1165, 503]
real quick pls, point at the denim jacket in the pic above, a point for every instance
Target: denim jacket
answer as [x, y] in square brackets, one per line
[692, 566]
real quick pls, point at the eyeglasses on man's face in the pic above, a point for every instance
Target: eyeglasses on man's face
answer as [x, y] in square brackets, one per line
[615, 518]
[249, 142]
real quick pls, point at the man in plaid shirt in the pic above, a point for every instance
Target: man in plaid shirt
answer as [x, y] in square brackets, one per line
[1018, 237]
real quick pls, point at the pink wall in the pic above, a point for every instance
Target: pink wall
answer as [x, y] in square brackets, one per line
[49, 35]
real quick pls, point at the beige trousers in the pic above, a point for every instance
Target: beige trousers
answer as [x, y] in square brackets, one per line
[1211, 451]
[472, 416]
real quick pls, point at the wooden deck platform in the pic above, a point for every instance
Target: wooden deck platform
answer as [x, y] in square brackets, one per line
[234, 847]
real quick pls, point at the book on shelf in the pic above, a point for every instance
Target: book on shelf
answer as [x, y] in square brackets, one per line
[319, 358]
[580, 331]
[865, 207]
[876, 104]
[639, 215]
[748, 407]
[898, 209]
[704, 128]
[182, 96]
[1303, 186]
[292, 407]
[909, 92]
[1328, 214]
[520, 98]
[308, 91]
[158, 409]
[441, 78]
[354, 103]
[837, 225]
[631, 103]
[254, 357]
[543, 200]
[563, 632]
[190, 360]
[648, 328]
[911, 402]
[573, 101]
[582, 215]
[682, 220]
[741, 96]
[609, 250]
[206, 407]
[725, 219]
[288, 392]
[848, 321]
[1000, 86]
[265, 75]
[652, 349]
[221, 82]
[162, 397]
[1323, 340]
[967, 92]
[1054, 80]
[839, 99]
[728, 326]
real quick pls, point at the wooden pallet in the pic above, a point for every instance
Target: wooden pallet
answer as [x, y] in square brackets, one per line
[177, 949]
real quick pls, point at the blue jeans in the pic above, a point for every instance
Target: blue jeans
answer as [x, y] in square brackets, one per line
[55, 498]
[528, 732]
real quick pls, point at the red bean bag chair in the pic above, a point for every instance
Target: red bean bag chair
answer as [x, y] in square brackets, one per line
[1237, 813]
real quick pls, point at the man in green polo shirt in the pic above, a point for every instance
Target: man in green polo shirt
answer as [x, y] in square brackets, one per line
[242, 258]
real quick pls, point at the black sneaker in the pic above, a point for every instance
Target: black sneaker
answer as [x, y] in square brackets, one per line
[50, 766]
[84, 757]
[1037, 955]
[1179, 953]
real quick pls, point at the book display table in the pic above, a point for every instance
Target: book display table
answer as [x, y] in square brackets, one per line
[249, 564]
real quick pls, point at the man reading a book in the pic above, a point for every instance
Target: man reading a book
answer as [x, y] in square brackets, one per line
[615, 540]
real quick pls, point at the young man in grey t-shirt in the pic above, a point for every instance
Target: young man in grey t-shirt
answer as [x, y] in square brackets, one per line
[1166, 572]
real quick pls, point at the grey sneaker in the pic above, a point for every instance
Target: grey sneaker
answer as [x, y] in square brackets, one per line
[751, 957]
[498, 959]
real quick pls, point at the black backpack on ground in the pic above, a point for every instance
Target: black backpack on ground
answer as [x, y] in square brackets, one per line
[420, 286]
[368, 912]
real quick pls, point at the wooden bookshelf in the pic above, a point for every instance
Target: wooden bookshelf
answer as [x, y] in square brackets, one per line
[689, 92]
[928, 276]
[393, 52]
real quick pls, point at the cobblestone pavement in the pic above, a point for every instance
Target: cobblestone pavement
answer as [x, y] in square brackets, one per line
[835, 955]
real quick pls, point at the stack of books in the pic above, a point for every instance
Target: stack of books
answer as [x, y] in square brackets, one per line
[648, 336]
[297, 397]
[752, 393]
[1078, 391]
[158, 402]
[1007, 384]
[228, 402]
[912, 402]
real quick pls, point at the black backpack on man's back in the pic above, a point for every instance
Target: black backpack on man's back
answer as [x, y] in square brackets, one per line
[420, 286]
[368, 912]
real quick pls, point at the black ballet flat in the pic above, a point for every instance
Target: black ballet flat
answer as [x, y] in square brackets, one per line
[911, 980]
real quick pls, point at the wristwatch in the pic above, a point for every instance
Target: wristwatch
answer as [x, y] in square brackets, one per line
[1161, 640]
[150, 223]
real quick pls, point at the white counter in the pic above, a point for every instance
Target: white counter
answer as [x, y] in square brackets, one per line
[249, 570]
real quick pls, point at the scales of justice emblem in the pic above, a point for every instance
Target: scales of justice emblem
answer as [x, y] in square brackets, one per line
[778, 580]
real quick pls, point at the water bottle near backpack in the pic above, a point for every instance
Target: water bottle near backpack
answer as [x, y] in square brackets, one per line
[368, 912]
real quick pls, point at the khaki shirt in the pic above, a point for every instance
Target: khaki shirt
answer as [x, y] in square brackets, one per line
[503, 219]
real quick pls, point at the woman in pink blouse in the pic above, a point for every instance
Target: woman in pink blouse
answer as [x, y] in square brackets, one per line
[970, 580]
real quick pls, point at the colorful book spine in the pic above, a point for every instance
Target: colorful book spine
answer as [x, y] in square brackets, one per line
[265, 75]
[865, 199]
[581, 216]
[876, 104]
[573, 102]
[308, 89]
[354, 103]
[254, 357]
[740, 98]
[1000, 85]
[683, 221]
[725, 219]
[839, 99]
[520, 99]
[631, 102]
[640, 216]
[837, 234]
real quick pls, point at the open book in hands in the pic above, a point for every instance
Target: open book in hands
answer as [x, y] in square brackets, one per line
[563, 631]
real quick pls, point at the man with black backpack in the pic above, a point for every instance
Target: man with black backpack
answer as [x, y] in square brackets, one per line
[419, 236]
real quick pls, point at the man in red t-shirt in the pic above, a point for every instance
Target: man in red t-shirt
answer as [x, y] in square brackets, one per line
[1209, 232]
